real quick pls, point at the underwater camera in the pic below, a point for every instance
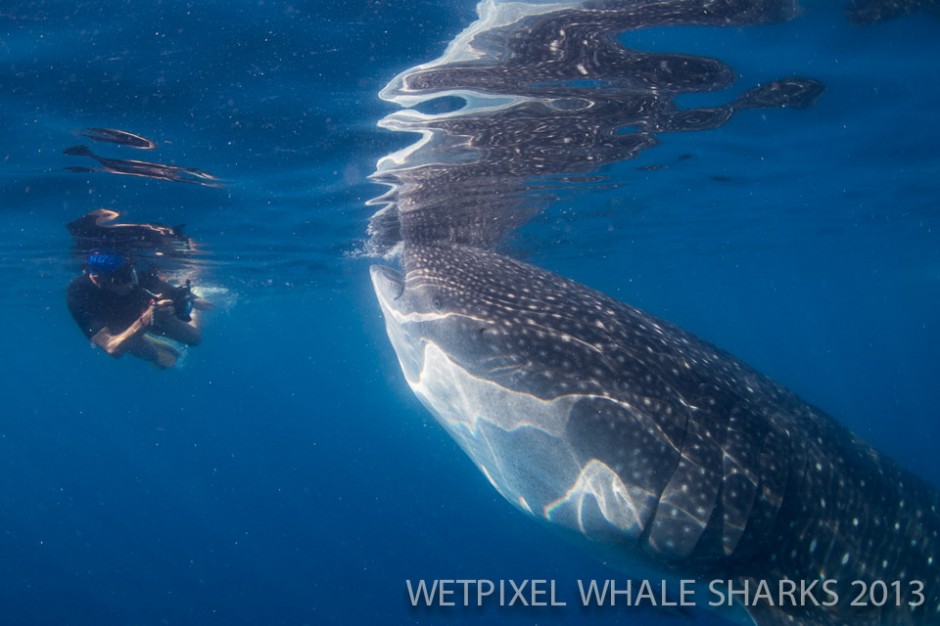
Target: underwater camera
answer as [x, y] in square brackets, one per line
[183, 302]
[182, 298]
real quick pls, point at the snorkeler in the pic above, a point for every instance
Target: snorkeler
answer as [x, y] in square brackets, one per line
[126, 311]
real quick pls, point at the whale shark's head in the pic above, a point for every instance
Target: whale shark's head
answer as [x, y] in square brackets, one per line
[429, 310]
[526, 371]
[500, 321]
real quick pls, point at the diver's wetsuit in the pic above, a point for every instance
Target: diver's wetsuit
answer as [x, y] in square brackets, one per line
[94, 308]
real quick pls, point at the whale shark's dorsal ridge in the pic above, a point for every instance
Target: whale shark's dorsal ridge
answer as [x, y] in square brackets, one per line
[626, 430]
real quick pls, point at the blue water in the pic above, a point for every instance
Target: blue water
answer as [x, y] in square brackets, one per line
[284, 473]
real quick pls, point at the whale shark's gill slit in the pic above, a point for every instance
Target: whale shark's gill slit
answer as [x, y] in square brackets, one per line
[741, 482]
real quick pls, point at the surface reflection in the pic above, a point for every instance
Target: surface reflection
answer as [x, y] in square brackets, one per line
[134, 167]
[100, 229]
[549, 92]
[120, 137]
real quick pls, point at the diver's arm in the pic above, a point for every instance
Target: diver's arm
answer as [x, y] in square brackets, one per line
[117, 344]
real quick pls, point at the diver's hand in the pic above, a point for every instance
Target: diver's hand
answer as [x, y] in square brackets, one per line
[163, 309]
[159, 310]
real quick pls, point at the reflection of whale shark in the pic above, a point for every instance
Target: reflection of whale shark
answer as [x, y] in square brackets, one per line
[661, 448]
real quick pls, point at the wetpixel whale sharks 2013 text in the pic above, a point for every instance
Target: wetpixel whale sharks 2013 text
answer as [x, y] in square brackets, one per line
[546, 592]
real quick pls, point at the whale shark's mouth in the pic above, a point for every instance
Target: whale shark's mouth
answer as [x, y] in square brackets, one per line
[389, 284]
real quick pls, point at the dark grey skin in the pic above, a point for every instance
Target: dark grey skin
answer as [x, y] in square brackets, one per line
[668, 452]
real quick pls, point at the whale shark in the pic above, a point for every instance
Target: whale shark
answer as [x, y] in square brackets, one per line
[656, 448]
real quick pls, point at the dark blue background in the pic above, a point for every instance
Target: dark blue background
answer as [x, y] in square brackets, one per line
[285, 474]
